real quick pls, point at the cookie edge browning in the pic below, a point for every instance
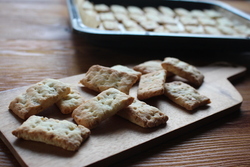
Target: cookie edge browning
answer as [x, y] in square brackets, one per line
[131, 114]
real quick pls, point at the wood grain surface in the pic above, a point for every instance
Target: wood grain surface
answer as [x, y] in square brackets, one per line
[36, 42]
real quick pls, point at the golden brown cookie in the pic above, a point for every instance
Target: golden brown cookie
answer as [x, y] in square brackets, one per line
[185, 95]
[106, 104]
[64, 134]
[39, 97]
[144, 115]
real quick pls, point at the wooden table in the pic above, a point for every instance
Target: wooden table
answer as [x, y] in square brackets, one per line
[36, 42]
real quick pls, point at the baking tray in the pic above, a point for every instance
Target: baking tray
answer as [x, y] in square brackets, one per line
[170, 41]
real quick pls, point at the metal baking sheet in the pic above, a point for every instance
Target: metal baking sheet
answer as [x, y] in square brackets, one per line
[170, 41]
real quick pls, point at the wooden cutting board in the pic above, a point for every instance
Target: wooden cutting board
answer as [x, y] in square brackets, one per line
[116, 138]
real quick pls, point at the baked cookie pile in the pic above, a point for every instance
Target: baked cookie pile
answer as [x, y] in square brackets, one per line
[161, 19]
[113, 85]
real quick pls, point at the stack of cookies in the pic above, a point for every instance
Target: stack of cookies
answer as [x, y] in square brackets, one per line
[113, 85]
[161, 19]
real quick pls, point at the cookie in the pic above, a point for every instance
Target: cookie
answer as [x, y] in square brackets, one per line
[129, 23]
[135, 10]
[137, 17]
[118, 9]
[106, 104]
[173, 28]
[100, 78]
[197, 13]
[64, 134]
[149, 66]
[126, 69]
[101, 8]
[86, 5]
[184, 70]
[71, 101]
[227, 30]
[39, 97]
[212, 13]
[149, 25]
[90, 18]
[187, 20]
[224, 22]
[107, 16]
[185, 95]
[166, 10]
[194, 29]
[164, 19]
[206, 21]
[151, 10]
[110, 25]
[181, 12]
[212, 30]
[144, 115]
[151, 84]
[120, 17]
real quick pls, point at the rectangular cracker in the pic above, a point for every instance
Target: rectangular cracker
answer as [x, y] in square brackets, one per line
[143, 114]
[106, 104]
[71, 101]
[185, 95]
[39, 97]
[64, 134]
[118, 9]
[100, 78]
[151, 84]
[184, 70]
[126, 69]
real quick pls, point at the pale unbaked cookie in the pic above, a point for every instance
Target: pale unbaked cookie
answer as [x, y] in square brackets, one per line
[181, 12]
[197, 13]
[135, 10]
[212, 30]
[149, 25]
[173, 28]
[101, 8]
[110, 25]
[137, 17]
[64, 134]
[185, 95]
[106, 104]
[149, 9]
[144, 115]
[207, 21]
[71, 101]
[100, 78]
[184, 70]
[187, 20]
[86, 5]
[118, 9]
[107, 16]
[166, 10]
[151, 84]
[194, 29]
[120, 17]
[39, 97]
